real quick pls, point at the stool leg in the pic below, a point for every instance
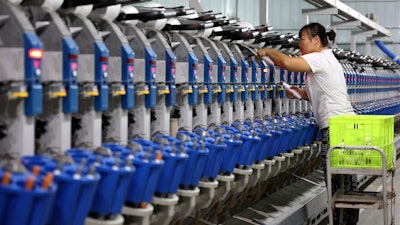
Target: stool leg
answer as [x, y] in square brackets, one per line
[384, 197]
[341, 216]
[393, 205]
[341, 210]
[329, 190]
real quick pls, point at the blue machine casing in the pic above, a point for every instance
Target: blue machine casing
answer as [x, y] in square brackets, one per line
[150, 77]
[264, 71]
[272, 74]
[289, 77]
[193, 61]
[170, 99]
[272, 90]
[101, 76]
[233, 79]
[70, 75]
[254, 79]
[221, 79]
[245, 79]
[208, 65]
[296, 78]
[353, 81]
[33, 76]
[282, 78]
[303, 78]
[127, 68]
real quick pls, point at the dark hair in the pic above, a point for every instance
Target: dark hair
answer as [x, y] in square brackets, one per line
[316, 29]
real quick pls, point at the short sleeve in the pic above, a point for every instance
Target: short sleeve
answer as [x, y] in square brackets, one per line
[314, 60]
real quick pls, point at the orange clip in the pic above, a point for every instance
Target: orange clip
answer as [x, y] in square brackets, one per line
[36, 170]
[158, 156]
[143, 205]
[6, 178]
[47, 180]
[30, 182]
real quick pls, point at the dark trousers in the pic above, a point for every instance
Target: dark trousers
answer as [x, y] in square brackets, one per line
[350, 216]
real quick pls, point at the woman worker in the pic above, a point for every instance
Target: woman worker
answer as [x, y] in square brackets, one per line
[325, 88]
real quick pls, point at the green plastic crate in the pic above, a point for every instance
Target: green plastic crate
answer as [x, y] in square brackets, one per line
[361, 130]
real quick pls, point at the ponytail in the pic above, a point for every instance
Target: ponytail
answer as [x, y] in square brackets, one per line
[331, 35]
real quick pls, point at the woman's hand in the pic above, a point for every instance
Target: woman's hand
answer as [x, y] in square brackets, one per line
[296, 89]
[262, 52]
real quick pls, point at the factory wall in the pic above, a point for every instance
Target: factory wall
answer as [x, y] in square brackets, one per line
[386, 14]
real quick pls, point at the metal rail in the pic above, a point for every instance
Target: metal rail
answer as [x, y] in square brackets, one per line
[347, 13]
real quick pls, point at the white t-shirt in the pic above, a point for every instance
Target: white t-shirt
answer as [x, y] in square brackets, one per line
[326, 87]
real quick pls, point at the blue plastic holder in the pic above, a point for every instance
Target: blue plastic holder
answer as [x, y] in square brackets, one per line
[112, 189]
[117, 149]
[310, 131]
[194, 166]
[297, 131]
[174, 164]
[291, 133]
[303, 125]
[247, 150]
[171, 140]
[256, 141]
[76, 188]
[275, 141]
[191, 135]
[142, 187]
[262, 146]
[46, 163]
[244, 156]
[232, 149]
[231, 155]
[287, 134]
[146, 144]
[304, 134]
[113, 185]
[316, 133]
[172, 171]
[214, 159]
[76, 198]
[21, 206]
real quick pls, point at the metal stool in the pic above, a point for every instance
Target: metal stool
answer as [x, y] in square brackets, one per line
[375, 200]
